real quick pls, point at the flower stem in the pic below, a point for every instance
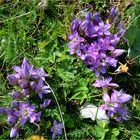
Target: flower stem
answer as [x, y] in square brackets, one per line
[58, 109]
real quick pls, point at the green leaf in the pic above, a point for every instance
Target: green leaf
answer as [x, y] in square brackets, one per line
[133, 138]
[42, 44]
[47, 124]
[65, 75]
[68, 121]
[115, 131]
[132, 35]
[102, 123]
[79, 95]
[100, 132]
[81, 89]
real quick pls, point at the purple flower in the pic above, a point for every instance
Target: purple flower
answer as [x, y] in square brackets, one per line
[74, 26]
[9, 111]
[89, 25]
[15, 94]
[82, 26]
[15, 103]
[25, 112]
[33, 85]
[41, 89]
[29, 80]
[109, 105]
[123, 114]
[2, 110]
[25, 92]
[89, 16]
[117, 97]
[23, 74]
[93, 42]
[115, 104]
[39, 73]
[114, 40]
[38, 116]
[104, 82]
[120, 96]
[14, 131]
[13, 78]
[117, 52]
[23, 70]
[56, 129]
[74, 43]
[92, 52]
[121, 27]
[84, 23]
[111, 61]
[23, 83]
[45, 103]
[105, 44]
[96, 18]
[113, 13]
[103, 29]
[109, 101]
[91, 30]
[12, 119]
[98, 62]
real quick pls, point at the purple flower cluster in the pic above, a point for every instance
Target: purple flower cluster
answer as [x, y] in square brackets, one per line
[19, 114]
[30, 84]
[28, 79]
[91, 39]
[114, 100]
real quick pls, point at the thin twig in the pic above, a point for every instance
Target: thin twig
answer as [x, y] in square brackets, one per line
[58, 109]
[132, 21]
[16, 17]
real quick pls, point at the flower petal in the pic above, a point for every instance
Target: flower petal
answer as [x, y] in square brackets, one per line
[14, 132]
[88, 111]
[106, 97]
[17, 69]
[23, 121]
[101, 115]
[125, 98]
